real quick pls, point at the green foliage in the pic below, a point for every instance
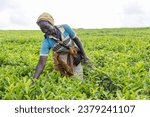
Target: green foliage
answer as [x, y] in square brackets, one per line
[121, 59]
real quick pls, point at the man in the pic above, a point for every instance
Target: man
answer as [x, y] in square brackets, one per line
[65, 45]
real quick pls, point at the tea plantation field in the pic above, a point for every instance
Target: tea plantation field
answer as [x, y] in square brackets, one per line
[121, 58]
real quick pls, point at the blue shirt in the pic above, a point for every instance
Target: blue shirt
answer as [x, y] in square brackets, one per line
[48, 42]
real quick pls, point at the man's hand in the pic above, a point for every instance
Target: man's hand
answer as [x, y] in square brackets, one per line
[85, 59]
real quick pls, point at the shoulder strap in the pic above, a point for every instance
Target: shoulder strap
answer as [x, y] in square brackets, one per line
[61, 43]
[58, 41]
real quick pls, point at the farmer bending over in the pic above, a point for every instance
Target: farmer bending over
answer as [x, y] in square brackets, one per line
[65, 45]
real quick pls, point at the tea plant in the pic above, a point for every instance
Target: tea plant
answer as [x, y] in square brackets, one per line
[121, 59]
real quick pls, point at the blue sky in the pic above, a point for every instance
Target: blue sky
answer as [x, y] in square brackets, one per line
[22, 14]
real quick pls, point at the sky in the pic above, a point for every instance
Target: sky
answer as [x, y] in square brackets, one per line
[23, 14]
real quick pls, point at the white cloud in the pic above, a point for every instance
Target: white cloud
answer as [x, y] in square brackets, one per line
[135, 14]
[22, 14]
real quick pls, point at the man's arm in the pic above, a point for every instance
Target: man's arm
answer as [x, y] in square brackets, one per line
[79, 44]
[40, 66]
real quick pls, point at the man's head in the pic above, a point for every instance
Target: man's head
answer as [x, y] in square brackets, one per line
[46, 27]
[46, 23]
